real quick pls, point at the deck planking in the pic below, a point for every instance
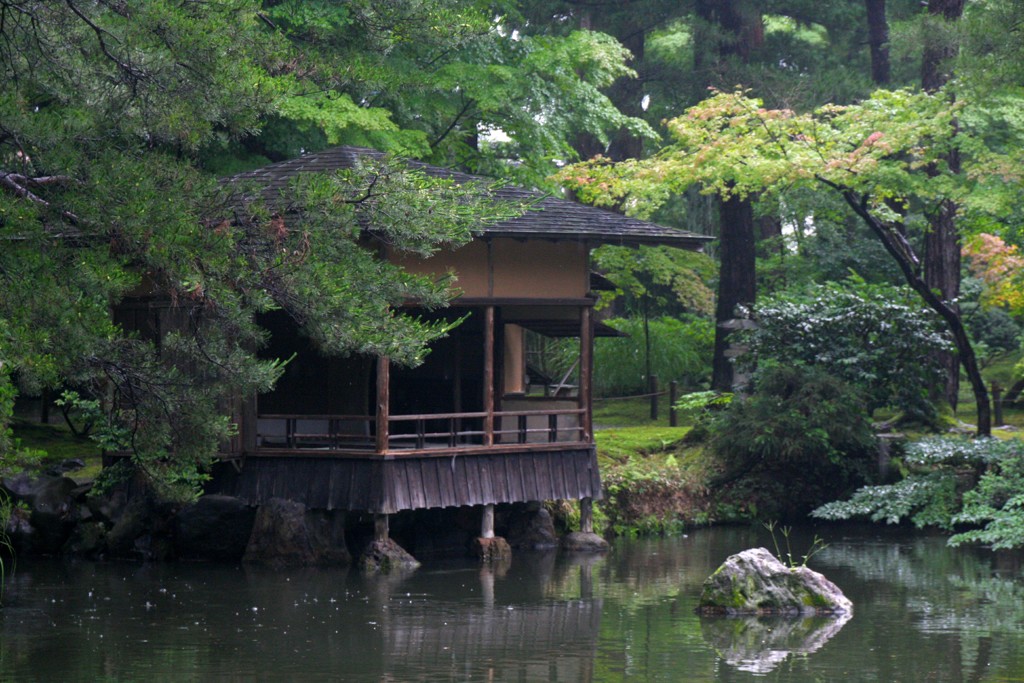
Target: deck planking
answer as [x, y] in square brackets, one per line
[387, 486]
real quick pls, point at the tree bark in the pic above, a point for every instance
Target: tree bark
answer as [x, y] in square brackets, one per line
[742, 32]
[878, 40]
[942, 242]
[743, 27]
[939, 49]
[942, 275]
[736, 281]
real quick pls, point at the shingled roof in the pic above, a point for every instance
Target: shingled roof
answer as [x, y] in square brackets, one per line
[550, 217]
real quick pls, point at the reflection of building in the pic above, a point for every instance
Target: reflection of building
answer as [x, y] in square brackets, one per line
[554, 641]
[464, 428]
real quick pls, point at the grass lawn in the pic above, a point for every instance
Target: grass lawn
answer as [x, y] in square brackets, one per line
[629, 412]
[621, 443]
[59, 445]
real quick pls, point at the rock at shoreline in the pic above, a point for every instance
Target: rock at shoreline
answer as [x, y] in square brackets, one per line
[286, 534]
[385, 557]
[531, 528]
[584, 542]
[755, 582]
[51, 505]
[494, 549]
[215, 527]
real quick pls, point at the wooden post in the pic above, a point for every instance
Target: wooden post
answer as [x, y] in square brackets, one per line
[380, 528]
[457, 381]
[489, 375]
[487, 522]
[652, 389]
[997, 404]
[383, 402]
[673, 396]
[587, 372]
[249, 423]
[587, 515]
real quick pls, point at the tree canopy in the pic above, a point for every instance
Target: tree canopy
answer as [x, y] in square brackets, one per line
[116, 118]
[884, 156]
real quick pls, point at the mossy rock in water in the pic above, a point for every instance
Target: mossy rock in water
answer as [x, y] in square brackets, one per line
[755, 582]
[386, 557]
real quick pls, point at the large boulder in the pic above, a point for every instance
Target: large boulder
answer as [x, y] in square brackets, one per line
[51, 503]
[89, 539]
[584, 542]
[531, 528]
[386, 556]
[286, 534]
[128, 537]
[755, 582]
[215, 527]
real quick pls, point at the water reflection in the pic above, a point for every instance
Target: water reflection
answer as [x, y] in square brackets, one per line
[761, 644]
[126, 622]
[922, 612]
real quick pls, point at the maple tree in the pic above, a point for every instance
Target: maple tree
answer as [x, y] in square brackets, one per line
[881, 156]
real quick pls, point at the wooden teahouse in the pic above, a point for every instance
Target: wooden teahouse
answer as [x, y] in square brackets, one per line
[468, 427]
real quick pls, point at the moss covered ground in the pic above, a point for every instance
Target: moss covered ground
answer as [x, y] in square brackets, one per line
[48, 445]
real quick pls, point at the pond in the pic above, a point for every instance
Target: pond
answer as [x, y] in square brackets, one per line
[923, 612]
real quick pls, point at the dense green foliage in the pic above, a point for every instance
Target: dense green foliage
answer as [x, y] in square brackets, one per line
[656, 281]
[801, 439]
[883, 157]
[873, 337]
[116, 117]
[680, 350]
[943, 488]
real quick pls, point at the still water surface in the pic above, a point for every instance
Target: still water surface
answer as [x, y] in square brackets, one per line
[923, 612]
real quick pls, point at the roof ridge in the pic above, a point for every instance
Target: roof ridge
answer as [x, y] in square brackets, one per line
[552, 217]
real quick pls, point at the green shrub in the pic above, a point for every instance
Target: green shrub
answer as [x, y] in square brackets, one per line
[996, 504]
[926, 499]
[943, 489]
[801, 439]
[874, 337]
[648, 499]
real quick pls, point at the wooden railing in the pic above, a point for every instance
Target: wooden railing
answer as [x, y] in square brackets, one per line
[529, 428]
[333, 432]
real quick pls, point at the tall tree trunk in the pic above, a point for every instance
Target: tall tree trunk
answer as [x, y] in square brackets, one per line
[940, 46]
[626, 93]
[878, 40]
[742, 32]
[736, 281]
[942, 242]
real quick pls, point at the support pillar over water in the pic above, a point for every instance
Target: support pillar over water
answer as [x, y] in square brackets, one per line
[381, 530]
[585, 540]
[487, 522]
[587, 515]
[384, 555]
[488, 547]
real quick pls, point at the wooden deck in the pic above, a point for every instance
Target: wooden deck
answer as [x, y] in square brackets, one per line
[389, 484]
